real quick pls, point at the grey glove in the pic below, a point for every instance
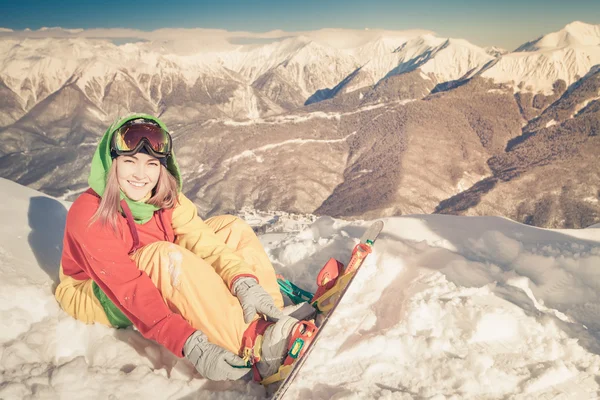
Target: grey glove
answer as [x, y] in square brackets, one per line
[212, 361]
[254, 299]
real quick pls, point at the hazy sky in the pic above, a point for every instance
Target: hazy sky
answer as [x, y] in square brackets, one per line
[504, 23]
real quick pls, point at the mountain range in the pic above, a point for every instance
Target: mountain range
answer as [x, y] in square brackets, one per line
[354, 124]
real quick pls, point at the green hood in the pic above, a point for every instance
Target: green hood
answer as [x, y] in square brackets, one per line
[102, 161]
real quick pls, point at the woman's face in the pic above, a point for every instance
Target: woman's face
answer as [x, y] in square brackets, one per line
[137, 174]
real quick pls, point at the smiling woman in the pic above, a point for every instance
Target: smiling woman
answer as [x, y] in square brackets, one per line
[137, 175]
[136, 253]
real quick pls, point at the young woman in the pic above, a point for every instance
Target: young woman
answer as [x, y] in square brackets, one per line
[136, 253]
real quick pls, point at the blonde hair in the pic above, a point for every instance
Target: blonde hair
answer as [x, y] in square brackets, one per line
[164, 196]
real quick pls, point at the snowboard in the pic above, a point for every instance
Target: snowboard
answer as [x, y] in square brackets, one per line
[333, 282]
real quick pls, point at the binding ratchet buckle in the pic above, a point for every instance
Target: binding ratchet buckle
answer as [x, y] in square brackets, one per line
[301, 338]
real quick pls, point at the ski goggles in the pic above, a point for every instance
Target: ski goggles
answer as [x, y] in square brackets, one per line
[130, 138]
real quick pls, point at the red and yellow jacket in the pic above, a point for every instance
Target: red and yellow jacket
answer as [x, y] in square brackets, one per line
[94, 252]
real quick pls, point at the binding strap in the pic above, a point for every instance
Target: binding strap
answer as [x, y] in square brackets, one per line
[132, 228]
[302, 336]
[252, 344]
[162, 224]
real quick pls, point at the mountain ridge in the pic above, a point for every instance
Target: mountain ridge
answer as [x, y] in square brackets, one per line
[360, 126]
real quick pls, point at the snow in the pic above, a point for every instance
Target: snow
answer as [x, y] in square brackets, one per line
[576, 33]
[454, 60]
[295, 142]
[567, 54]
[445, 308]
[49, 63]
[350, 39]
[36, 63]
[495, 51]
[424, 76]
[283, 119]
[96, 113]
[583, 105]
[69, 193]
[303, 117]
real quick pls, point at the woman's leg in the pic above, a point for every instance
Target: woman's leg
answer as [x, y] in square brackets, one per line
[192, 288]
[78, 300]
[240, 237]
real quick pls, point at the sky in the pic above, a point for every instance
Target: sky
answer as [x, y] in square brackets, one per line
[506, 24]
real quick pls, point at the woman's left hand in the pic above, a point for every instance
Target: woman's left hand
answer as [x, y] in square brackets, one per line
[254, 298]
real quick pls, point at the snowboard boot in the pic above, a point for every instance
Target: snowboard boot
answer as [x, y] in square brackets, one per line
[275, 346]
[267, 346]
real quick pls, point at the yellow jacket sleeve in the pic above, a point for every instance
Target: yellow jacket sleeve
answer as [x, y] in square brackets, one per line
[195, 235]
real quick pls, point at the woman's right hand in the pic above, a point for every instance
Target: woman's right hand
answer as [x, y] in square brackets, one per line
[213, 362]
[254, 299]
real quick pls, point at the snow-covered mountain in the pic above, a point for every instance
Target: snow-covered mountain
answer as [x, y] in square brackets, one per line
[117, 79]
[565, 55]
[445, 306]
[495, 51]
[546, 175]
[437, 59]
[575, 34]
[347, 123]
[262, 79]
[445, 59]
[575, 101]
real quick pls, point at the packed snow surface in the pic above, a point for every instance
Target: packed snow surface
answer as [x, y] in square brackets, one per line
[445, 308]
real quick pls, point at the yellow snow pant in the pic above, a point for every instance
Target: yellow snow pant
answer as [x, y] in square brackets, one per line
[189, 285]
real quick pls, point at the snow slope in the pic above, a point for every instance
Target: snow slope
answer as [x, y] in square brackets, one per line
[567, 54]
[576, 33]
[446, 308]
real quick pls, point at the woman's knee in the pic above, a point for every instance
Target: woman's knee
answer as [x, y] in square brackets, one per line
[229, 222]
[242, 225]
[155, 252]
[160, 246]
[166, 259]
[77, 299]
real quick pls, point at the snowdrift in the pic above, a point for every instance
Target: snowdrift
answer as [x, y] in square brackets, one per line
[446, 307]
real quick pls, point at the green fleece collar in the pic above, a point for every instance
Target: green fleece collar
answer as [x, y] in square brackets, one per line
[101, 162]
